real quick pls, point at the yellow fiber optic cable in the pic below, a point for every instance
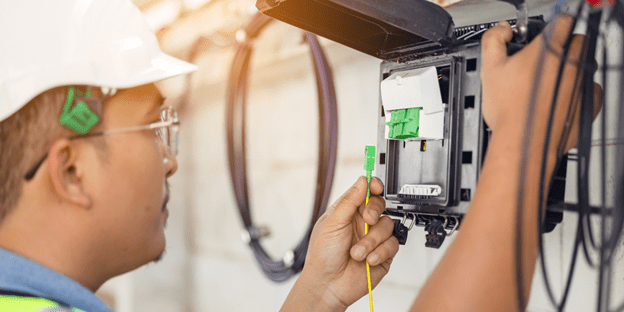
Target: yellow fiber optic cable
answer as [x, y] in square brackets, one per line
[369, 166]
[370, 290]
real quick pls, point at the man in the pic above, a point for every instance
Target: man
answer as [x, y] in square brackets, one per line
[81, 202]
[85, 151]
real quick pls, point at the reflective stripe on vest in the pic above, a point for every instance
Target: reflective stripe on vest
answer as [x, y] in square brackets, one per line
[31, 304]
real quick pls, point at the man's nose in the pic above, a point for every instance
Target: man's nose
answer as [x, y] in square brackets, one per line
[171, 165]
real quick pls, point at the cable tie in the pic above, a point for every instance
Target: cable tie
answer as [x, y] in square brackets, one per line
[289, 258]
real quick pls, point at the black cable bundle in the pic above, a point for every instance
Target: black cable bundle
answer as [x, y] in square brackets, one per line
[279, 271]
[584, 235]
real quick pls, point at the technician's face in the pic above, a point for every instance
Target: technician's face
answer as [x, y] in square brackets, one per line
[132, 192]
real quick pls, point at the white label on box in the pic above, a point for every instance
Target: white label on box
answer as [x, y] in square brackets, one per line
[412, 88]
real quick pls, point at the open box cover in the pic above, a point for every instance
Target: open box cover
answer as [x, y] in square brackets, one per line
[382, 28]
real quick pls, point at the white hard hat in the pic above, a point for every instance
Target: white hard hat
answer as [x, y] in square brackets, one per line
[105, 43]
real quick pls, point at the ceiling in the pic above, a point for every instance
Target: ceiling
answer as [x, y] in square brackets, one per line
[178, 24]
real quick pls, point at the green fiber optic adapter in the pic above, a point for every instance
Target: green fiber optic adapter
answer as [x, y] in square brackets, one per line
[404, 123]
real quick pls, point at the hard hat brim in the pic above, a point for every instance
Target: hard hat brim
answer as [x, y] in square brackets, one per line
[162, 67]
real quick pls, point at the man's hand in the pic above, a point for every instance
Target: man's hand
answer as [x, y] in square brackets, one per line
[500, 88]
[334, 275]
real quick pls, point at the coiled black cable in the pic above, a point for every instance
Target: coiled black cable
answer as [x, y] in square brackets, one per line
[583, 154]
[585, 132]
[566, 49]
[524, 160]
[281, 270]
[584, 234]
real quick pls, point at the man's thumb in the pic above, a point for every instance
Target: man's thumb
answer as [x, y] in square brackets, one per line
[345, 207]
[494, 45]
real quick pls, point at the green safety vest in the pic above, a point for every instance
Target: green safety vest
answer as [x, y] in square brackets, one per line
[31, 304]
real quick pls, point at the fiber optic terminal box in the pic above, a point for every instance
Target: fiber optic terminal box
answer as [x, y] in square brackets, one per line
[432, 137]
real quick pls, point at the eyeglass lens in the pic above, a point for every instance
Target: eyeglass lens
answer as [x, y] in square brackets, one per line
[169, 135]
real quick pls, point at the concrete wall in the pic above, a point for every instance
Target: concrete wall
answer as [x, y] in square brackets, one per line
[209, 268]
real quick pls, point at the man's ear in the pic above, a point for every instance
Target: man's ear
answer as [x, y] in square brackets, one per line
[66, 174]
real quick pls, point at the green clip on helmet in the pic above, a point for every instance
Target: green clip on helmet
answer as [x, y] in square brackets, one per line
[102, 43]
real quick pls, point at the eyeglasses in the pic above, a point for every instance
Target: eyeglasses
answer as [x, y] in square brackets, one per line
[167, 129]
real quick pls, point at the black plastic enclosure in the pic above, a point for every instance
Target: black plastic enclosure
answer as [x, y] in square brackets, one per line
[407, 163]
[443, 163]
[385, 29]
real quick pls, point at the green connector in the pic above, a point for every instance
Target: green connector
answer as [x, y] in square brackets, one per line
[404, 123]
[79, 118]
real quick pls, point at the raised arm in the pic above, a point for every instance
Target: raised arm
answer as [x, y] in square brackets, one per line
[478, 271]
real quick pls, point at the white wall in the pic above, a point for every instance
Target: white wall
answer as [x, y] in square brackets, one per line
[209, 268]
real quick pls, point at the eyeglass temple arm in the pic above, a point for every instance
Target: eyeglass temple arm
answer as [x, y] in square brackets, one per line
[31, 173]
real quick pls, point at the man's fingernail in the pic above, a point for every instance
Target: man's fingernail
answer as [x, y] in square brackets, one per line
[360, 252]
[373, 259]
[373, 214]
